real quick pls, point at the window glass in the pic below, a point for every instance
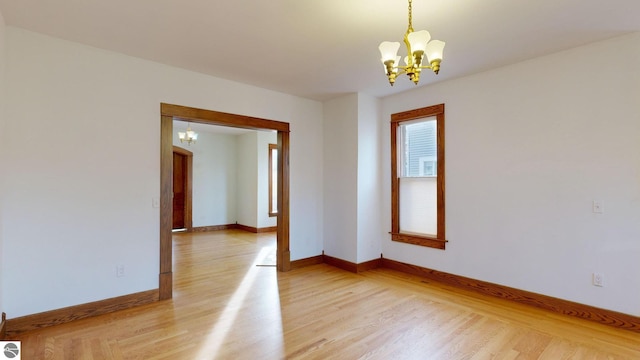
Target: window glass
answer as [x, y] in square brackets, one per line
[420, 148]
[418, 187]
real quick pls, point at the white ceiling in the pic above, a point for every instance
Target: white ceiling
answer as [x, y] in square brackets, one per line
[324, 48]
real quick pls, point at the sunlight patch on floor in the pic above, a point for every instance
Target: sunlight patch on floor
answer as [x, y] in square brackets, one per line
[219, 333]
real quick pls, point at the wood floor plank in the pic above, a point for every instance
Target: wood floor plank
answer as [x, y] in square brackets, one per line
[228, 305]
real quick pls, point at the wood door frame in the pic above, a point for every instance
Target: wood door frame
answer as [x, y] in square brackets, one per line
[168, 113]
[188, 196]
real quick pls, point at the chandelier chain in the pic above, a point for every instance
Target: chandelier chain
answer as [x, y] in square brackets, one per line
[410, 18]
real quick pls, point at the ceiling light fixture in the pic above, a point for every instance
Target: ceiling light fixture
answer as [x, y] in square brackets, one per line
[418, 45]
[189, 136]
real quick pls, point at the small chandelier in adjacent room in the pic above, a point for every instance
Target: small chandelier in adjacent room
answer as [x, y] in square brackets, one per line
[418, 45]
[189, 136]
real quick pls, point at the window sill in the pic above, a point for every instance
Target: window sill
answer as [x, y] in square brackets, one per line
[420, 240]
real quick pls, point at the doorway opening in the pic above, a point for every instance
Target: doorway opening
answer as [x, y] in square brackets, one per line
[171, 112]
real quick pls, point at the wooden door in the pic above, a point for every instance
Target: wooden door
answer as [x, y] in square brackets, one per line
[179, 190]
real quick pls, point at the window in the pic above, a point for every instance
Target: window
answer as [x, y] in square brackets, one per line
[417, 177]
[273, 180]
[428, 166]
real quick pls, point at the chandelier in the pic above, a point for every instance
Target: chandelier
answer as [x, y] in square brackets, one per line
[189, 136]
[418, 45]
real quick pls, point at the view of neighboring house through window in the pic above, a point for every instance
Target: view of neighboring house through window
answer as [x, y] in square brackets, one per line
[418, 176]
[273, 180]
[420, 147]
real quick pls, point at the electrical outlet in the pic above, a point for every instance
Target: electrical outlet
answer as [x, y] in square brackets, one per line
[120, 271]
[598, 279]
[598, 207]
[155, 202]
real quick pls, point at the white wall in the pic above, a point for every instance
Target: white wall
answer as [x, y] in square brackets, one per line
[369, 180]
[247, 189]
[352, 178]
[78, 197]
[528, 148]
[253, 179]
[214, 178]
[305, 160]
[340, 177]
[2, 141]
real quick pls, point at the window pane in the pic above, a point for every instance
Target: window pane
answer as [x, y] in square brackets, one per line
[420, 148]
[418, 205]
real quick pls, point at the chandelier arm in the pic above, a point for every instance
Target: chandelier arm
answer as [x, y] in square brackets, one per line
[405, 67]
[402, 70]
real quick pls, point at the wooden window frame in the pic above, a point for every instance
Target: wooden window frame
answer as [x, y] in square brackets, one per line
[397, 119]
[272, 213]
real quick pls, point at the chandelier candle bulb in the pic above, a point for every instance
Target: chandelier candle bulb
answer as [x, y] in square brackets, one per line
[418, 42]
[418, 45]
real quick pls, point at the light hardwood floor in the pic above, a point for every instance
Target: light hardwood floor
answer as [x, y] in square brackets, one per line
[228, 305]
